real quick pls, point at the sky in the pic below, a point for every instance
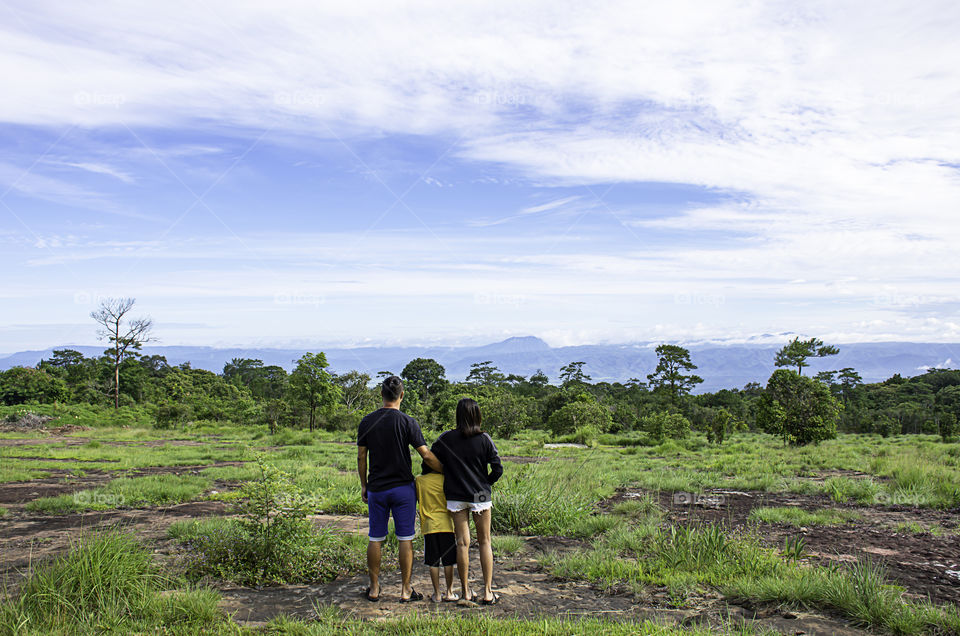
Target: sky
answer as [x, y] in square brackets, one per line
[294, 174]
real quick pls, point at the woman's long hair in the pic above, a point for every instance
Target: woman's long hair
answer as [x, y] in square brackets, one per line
[468, 417]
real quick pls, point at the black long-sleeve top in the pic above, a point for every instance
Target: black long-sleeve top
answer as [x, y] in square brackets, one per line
[465, 461]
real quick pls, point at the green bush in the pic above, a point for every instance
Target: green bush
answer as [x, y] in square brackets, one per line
[664, 425]
[579, 414]
[272, 542]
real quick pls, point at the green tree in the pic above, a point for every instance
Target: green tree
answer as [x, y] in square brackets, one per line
[504, 413]
[796, 352]
[125, 335]
[242, 371]
[573, 374]
[484, 374]
[20, 385]
[426, 375]
[313, 385]
[583, 412]
[669, 376]
[355, 393]
[799, 409]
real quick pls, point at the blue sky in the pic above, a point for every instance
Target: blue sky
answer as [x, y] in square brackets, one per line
[462, 173]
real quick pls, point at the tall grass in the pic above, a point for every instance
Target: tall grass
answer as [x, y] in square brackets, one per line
[546, 497]
[105, 583]
[860, 591]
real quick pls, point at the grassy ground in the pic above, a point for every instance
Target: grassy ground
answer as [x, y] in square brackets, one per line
[552, 492]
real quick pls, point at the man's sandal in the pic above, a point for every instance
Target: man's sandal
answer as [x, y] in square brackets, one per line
[414, 596]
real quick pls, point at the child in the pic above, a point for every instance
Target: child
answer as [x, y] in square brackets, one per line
[436, 523]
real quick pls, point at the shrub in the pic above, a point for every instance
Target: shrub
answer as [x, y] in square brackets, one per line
[579, 414]
[272, 542]
[665, 425]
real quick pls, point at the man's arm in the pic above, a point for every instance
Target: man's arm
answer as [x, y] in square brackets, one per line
[430, 458]
[362, 471]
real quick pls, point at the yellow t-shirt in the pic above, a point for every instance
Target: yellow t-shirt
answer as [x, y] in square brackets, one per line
[432, 504]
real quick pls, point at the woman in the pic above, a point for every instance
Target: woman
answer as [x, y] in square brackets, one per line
[465, 454]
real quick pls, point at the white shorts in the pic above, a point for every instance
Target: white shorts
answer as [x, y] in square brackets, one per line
[472, 506]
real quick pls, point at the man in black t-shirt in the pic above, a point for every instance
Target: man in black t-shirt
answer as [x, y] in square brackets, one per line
[386, 436]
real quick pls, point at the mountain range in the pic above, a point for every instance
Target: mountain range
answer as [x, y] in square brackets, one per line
[720, 365]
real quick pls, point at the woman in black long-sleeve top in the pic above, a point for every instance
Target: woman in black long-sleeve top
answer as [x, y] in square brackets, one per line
[465, 453]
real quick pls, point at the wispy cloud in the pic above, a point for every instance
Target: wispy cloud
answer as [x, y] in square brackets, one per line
[826, 132]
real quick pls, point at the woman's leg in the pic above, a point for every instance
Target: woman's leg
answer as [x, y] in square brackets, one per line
[482, 522]
[461, 526]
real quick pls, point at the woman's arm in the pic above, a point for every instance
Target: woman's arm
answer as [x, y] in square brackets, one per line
[496, 468]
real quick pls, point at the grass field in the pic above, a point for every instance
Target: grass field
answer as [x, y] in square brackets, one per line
[156, 527]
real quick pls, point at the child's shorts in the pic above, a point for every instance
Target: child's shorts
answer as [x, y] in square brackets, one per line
[440, 548]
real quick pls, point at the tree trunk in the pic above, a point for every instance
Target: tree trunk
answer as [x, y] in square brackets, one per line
[116, 381]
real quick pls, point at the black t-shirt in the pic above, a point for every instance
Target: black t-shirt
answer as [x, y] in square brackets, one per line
[388, 434]
[465, 461]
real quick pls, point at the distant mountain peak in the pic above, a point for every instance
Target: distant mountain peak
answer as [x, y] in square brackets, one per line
[516, 344]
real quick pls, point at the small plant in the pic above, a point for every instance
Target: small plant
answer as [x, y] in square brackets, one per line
[794, 548]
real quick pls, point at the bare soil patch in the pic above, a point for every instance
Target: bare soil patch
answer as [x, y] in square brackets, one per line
[920, 562]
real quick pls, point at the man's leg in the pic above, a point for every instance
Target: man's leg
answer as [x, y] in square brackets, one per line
[482, 522]
[377, 513]
[373, 567]
[404, 507]
[406, 568]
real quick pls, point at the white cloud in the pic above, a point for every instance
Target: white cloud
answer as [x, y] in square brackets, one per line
[832, 127]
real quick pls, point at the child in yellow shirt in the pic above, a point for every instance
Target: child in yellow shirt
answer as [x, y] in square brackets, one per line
[436, 524]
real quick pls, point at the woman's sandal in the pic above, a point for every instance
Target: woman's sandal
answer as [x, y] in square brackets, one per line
[467, 602]
[493, 601]
[414, 596]
[372, 599]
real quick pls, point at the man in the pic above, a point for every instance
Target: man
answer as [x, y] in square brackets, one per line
[389, 489]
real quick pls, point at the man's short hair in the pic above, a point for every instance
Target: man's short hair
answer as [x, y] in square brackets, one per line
[391, 389]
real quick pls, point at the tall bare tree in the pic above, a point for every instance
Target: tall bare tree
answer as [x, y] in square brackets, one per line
[124, 334]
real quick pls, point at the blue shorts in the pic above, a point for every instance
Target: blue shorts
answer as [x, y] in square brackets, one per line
[402, 502]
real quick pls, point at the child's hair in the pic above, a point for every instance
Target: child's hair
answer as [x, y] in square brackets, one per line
[468, 417]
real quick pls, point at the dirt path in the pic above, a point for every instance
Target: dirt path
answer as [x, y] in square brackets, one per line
[525, 591]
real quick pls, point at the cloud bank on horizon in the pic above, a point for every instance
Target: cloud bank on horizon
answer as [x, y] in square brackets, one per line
[457, 173]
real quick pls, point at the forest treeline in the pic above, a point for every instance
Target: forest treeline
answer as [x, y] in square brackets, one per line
[571, 406]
